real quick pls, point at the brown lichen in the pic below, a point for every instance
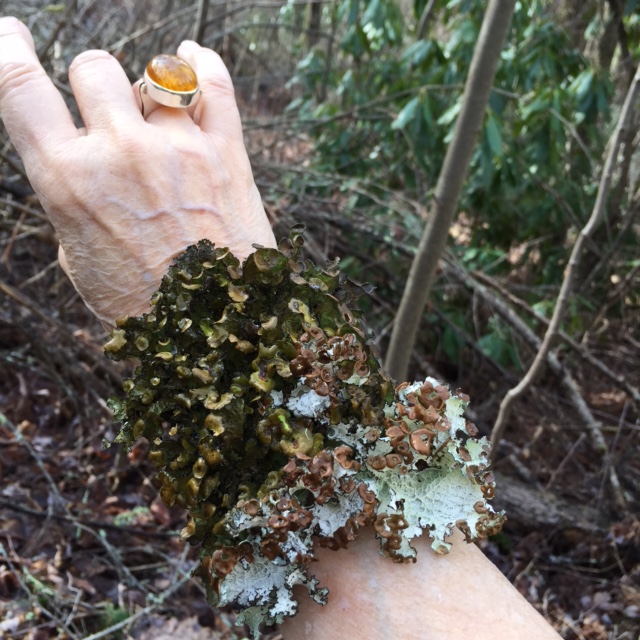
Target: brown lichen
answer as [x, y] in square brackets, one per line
[270, 419]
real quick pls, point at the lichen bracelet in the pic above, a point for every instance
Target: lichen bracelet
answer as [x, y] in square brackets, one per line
[270, 420]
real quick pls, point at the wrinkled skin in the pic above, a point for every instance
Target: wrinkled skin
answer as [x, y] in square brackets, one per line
[126, 194]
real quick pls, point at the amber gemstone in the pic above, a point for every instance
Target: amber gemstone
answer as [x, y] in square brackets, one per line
[172, 73]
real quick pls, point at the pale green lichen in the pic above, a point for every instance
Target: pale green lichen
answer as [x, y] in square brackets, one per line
[270, 419]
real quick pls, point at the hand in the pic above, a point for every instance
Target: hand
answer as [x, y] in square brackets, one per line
[125, 194]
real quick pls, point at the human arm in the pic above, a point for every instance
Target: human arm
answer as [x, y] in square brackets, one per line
[126, 195]
[439, 597]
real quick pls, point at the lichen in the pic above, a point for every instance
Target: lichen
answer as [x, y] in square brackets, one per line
[270, 420]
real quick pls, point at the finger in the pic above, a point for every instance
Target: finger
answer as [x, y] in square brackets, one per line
[217, 111]
[145, 103]
[102, 91]
[168, 116]
[137, 96]
[32, 109]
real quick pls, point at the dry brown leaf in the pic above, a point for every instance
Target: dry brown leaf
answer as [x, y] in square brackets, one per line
[170, 629]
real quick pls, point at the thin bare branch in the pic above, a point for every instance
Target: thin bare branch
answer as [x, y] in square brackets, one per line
[619, 380]
[427, 13]
[570, 274]
[567, 382]
[44, 49]
[200, 24]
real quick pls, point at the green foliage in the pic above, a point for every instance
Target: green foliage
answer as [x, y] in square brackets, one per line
[113, 615]
[383, 111]
[399, 99]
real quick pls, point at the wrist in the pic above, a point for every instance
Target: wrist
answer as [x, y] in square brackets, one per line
[272, 422]
[440, 597]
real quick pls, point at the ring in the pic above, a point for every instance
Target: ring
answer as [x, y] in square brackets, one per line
[169, 81]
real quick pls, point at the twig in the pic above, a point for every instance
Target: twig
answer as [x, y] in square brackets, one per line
[9, 246]
[567, 284]
[617, 294]
[24, 577]
[73, 519]
[560, 468]
[59, 502]
[609, 459]
[116, 47]
[44, 49]
[424, 19]
[580, 349]
[96, 359]
[470, 341]
[574, 132]
[159, 600]
[608, 256]
[200, 24]
[24, 208]
[567, 382]
[17, 434]
[5, 157]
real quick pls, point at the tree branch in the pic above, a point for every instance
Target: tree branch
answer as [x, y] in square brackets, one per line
[201, 21]
[566, 381]
[567, 285]
[452, 176]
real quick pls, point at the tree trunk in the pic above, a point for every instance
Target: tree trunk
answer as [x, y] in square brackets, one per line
[315, 23]
[452, 175]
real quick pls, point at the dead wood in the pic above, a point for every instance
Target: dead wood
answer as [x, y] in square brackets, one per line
[532, 508]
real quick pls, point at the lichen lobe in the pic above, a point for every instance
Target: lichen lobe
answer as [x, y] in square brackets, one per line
[270, 419]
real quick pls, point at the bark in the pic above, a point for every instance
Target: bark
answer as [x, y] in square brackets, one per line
[453, 173]
[534, 508]
[315, 23]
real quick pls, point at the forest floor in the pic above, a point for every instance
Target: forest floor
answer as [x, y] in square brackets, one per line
[88, 550]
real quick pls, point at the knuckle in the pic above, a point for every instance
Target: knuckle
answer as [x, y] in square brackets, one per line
[16, 76]
[217, 85]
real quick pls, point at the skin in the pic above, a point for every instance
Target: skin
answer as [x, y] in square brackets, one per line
[449, 597]
[126, 195]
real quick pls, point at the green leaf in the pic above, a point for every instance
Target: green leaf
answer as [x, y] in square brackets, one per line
[418, 7]
[427, 114]
[581, 86]
[371, 12]
[497, 348]
[418, 52]
[451, 344]
[407, 114]
[602, 97]
[450, 114]
[494, 138]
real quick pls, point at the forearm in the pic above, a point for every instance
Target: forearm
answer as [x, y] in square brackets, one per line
[440, 597]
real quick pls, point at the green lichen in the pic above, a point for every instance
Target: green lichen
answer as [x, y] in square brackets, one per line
[271, 421]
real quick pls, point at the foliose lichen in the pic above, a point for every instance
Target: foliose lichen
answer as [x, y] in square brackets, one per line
[270, 420]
